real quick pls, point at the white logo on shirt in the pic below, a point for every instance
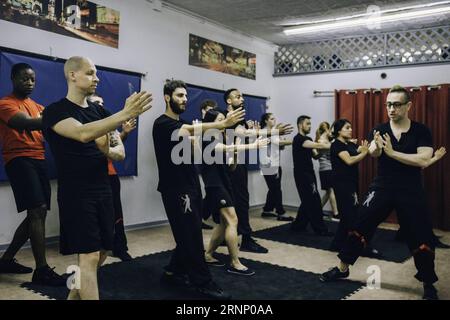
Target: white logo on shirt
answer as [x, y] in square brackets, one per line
[314, 189]
[369, 199]
[355, 197]
[186, 203]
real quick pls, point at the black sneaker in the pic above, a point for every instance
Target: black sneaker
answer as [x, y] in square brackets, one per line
[250, 245]
[213, 291]
[333, 274]
[123, 255]
[47, 277]
[176, 280]
[429, 292]
[12, 266]
[206, 226]
[284, 217]
[268, 214]
[244, 272]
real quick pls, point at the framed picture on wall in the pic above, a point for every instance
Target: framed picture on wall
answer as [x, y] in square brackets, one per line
[74, 18]
[219, 57]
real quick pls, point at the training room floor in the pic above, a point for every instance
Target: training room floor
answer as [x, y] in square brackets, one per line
[397, 279]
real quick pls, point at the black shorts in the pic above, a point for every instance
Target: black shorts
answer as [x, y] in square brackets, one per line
[29, 181]
[86, 222]
[216, 199]
[326, 179]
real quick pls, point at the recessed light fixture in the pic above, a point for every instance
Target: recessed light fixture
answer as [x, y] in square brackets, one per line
[384, 16]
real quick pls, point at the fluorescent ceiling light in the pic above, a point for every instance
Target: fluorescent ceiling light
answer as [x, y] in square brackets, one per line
[368, 14]
[368, 19]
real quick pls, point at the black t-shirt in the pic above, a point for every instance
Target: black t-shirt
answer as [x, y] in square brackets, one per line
[173, 177]
[341, 170]
[302, 156]
[393, 171]
[215, 174]
[76, 162]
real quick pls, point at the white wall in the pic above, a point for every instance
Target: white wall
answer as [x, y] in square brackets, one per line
[157, 43]
[293, 96]
[151, 42]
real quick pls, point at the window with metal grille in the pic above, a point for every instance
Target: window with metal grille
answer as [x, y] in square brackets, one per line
[429, 45]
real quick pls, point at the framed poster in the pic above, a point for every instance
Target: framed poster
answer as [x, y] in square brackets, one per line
[74, 18]
[219, 57]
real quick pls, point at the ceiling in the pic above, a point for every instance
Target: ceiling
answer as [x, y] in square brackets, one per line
[265, 18]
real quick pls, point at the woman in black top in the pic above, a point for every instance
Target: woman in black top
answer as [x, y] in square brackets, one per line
[218, 159]
[345, 156]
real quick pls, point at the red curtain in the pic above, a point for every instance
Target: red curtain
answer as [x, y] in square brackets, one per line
[430, 106]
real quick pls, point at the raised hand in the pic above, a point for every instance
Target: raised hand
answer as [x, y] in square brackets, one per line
[439, 153]
[129, 125]
[364, 147]
[284, 128]
[378, 140]
[234, 117]
[137, 104]
[387, 144]
[250, 124]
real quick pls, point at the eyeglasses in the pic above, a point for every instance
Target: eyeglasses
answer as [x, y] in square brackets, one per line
[396, 105]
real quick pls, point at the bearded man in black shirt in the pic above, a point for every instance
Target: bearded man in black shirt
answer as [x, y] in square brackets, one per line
[179, 185]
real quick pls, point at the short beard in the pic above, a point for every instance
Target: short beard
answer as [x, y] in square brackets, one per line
[175, 107]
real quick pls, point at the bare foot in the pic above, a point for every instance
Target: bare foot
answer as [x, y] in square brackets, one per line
[239, 266]
[210, 259]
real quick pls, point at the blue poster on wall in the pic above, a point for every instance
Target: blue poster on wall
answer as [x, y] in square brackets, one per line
[115, 86]
[255, 107]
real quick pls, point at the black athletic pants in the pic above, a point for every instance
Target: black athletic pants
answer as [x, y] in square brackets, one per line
[346, 193]
[184, 214]
[310, 210]
[409, 201]
[274, 198]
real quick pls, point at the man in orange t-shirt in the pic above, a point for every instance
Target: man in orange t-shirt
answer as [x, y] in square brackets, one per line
[23, 154]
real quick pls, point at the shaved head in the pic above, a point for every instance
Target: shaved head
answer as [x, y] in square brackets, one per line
[81, 75]
[74, 64]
